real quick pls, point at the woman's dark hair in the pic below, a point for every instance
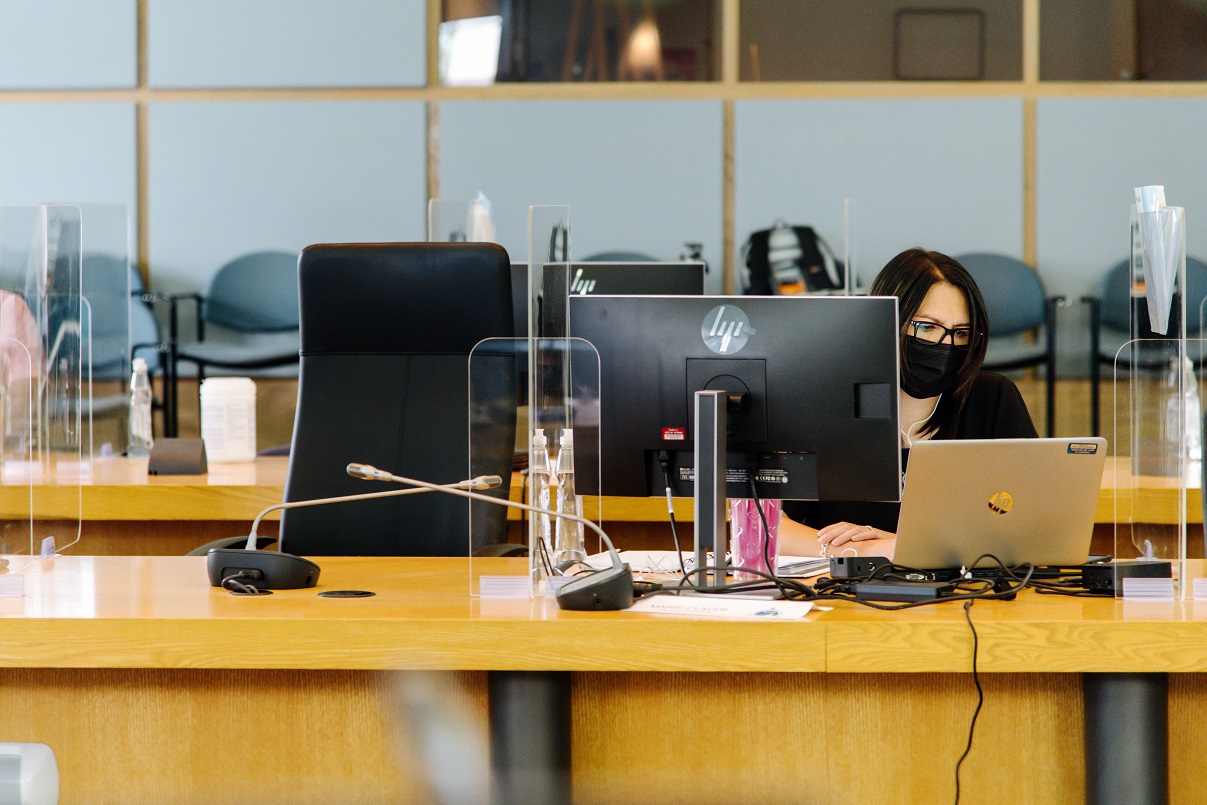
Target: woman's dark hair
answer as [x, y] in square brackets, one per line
[909, 276]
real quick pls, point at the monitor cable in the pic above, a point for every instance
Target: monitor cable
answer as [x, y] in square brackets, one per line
[664, 461]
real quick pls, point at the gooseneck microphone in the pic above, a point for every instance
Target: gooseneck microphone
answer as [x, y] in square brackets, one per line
[278, 570]
[604, 590]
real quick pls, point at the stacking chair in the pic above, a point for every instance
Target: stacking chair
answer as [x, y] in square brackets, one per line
[1111, 314]
[256, 294]
[386, 331]
[1017, 304]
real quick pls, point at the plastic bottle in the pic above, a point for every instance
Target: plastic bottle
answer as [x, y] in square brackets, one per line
[569, 546]
[141, 440]
[539, 476]
[1187, 402]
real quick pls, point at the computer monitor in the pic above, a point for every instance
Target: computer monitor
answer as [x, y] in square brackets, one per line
[813, 380]
[683, 278]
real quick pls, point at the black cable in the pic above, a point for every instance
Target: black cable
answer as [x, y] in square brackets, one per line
[664, 461]
[980, 694]
[754, 493]
[234, 583]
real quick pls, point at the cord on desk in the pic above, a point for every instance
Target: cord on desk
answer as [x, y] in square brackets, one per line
[234, 583]
[980, 694]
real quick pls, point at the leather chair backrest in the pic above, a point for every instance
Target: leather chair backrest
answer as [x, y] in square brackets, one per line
[386, 331]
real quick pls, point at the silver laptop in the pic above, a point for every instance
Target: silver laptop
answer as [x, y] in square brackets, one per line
[1022, 500]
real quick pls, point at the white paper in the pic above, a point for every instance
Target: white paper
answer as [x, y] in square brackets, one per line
[722, 606]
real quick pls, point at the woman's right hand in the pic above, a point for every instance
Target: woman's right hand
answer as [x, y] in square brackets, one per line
[837, 534]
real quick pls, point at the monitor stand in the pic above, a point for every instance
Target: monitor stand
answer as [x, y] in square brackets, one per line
[711, 460]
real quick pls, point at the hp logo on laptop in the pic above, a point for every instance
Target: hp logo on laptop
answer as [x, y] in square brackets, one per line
[1001, 502]
[726, 329]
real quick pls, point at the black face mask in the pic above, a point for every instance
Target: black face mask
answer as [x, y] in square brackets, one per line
[930, 369]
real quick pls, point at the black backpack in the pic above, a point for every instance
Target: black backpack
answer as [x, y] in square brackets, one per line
[790, 260]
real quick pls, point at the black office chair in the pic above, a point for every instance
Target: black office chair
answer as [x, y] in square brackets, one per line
[256, 294]
[386, 333]
[1017, 304]
[1114, 311]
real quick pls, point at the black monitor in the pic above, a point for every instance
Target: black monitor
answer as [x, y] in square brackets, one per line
[683, 278]
[813, 385]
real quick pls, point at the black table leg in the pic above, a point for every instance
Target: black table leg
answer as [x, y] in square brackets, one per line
[530, 737]
[1126, 739]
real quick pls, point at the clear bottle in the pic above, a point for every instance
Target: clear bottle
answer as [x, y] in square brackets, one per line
[569, 546]
[1185, 439]
[141, 440]
[539, 473]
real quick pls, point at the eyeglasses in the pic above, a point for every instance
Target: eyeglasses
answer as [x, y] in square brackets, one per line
[933, 333]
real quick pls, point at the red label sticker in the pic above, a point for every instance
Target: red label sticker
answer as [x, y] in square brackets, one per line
[674, 435]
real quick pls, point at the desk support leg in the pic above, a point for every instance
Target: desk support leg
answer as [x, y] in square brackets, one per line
[1126, 739]
[530, 737]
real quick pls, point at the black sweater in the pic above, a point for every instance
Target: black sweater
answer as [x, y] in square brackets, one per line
[994, 410]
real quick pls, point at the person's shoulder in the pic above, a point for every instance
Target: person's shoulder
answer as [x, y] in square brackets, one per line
[993, 384]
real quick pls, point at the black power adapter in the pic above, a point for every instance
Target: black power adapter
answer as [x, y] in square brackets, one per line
[908, 591]
[1106, 578]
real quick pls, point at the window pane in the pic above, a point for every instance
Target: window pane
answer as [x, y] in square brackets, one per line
[1123, 40]
[484, 41]
[881, 40]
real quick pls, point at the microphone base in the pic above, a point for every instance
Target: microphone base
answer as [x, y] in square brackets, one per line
[277, 570]
[607, 590]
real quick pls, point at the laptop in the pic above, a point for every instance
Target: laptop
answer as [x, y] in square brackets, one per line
[1022, 500]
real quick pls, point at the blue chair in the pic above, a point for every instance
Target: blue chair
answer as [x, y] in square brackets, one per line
[1111, 324]
[1017, 304]
[256, 294]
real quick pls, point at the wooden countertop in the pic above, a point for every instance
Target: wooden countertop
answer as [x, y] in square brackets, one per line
[120, 489]
[160, 612]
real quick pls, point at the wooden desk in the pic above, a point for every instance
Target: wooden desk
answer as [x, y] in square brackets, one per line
[125, 509]
[152, 686]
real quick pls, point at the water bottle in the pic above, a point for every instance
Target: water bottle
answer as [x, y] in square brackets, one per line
[539, 476]
[569, 546]
[1187, 399]
[141, 440]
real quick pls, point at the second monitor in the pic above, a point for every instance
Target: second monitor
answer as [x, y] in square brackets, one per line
[812, 385]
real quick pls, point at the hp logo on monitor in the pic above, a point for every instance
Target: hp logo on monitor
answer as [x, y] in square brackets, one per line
[726, 329]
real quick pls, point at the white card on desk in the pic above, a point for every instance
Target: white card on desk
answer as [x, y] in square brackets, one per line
[722, 606]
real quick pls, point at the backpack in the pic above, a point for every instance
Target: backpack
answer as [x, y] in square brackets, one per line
[789, 260]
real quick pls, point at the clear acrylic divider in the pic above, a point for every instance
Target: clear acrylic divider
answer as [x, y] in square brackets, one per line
[850, 274]
[44, 403]
[447, 220]
[499, 415]
[110, 332]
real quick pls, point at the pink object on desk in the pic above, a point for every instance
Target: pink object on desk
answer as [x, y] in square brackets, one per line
[746, 535]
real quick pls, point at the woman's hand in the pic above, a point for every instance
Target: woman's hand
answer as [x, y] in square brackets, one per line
[838, 534]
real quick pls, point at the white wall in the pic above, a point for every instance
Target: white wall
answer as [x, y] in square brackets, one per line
[68, 43]
[1091, 153]
[286, 43]
[641, 176]
[229, 178]
[942, 174]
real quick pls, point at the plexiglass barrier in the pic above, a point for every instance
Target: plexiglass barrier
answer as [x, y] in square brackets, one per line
[545, 476]
[45, 352]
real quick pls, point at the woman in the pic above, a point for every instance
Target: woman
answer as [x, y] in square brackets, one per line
[943, 395]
